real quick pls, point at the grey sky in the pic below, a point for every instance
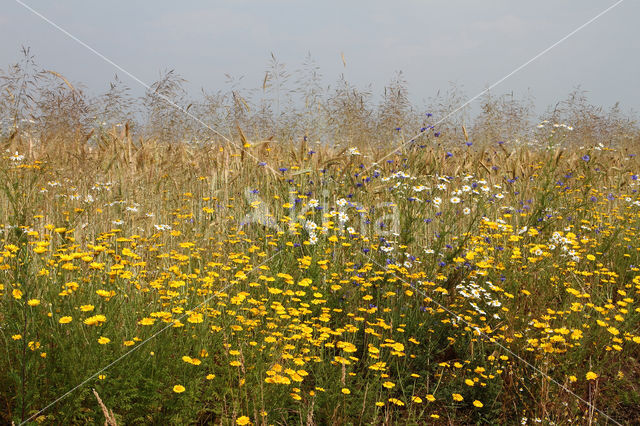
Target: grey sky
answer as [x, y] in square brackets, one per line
[467, 42]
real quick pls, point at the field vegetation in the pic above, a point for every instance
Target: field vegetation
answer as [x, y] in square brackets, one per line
[324, 257]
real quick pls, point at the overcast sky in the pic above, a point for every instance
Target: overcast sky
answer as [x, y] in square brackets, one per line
[470, 43]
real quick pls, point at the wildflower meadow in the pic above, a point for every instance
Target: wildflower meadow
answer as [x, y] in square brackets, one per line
[346, 263]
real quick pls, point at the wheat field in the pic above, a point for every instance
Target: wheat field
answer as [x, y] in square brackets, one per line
[324, 257]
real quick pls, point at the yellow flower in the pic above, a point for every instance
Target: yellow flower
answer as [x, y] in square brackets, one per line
[86, 308]
[103, 340]
[346, 391]
[95, 320]
[96, 265]
[147, 321]
[33, 302]
[195, 318]
[388, 385]
[347, 347]
[478, 404]
[396, 401]
[416, 399]
[211, 376]
[591, 375]
[244, 420]
[469, 382]
[16, 336]
[17, 294]
[105, 293]
[65, 320]
[178, 388]
[189, 360]
[430, 398]
[457, 397]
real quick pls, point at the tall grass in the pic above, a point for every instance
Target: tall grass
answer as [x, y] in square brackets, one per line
[400, 294]
[41, 107]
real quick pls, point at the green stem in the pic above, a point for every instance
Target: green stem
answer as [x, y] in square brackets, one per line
[24, 363]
